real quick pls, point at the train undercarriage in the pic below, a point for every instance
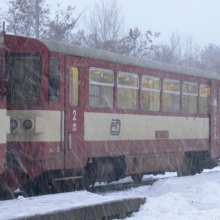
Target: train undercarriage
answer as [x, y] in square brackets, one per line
[105, 169]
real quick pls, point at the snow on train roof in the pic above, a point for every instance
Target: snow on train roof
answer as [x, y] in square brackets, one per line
[128, 60]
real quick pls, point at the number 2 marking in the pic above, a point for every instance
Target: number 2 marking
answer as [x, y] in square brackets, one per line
[74, 115]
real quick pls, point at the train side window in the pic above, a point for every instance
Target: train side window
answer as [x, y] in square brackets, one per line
[127, 91]
[54, 80]
[171, 95]
[74, 86]
[204, 95]
[150, 97]
[189, 97]
[101, 84]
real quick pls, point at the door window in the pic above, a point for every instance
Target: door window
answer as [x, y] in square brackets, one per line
[74, 86]
[54, 80]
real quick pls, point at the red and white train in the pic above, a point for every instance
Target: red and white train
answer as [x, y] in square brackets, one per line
[83, 115]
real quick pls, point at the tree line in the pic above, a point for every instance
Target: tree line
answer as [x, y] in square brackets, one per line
[104, 29]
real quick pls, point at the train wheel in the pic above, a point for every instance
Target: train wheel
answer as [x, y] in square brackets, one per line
[6, 196]
[185, 169]
[120, 168]
[90, 175]
[190, 165]
[137, 177]
[39, 186]
[29, 190]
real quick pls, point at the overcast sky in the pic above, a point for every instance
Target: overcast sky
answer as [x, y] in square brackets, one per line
[197, 18]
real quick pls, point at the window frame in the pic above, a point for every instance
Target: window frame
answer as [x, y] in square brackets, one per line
[120, 86]
[10, 79]
[96, 83]
[56, 87]
[190, 95]
[171, 92]
[151, 90]
[204, 96]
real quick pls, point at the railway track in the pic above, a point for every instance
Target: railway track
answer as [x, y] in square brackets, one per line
[121, 186]
[104, 188]
[116, 186]
[127, 185]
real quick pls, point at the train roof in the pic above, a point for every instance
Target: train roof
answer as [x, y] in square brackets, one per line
[127, 60]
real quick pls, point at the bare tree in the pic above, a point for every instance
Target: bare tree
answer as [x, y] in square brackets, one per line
[61, 27]
[106, 24]
[32, 19]
[162, 53]
[210, 58]
[105, 31]
[24, 16]
[137, 44]
[180, 51]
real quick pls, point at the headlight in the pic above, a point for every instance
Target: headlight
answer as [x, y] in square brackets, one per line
[13, 124]
[28, 124]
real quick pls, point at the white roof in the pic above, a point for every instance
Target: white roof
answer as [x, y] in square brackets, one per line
[127, 60]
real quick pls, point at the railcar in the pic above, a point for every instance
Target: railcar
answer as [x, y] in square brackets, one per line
[4, 119]
[80, 115]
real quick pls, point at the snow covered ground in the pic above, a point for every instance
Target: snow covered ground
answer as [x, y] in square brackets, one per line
[183, 198]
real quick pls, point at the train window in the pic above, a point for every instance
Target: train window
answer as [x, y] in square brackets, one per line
[204, 95]
[189, 97]
[127, 92]
[74, 86]
[171, 95]
[54, 80]
[150, 97]
[23, 79]
[101, 83]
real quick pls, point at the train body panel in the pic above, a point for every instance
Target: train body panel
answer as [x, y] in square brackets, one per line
[215, 119]
[157, 141]
[4, 130]
[5, 126]
[4, 119]
[109, 127]
[46, 126]
[81, 113]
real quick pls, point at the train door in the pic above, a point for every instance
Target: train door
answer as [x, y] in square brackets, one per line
[74, 152]
[215, 119]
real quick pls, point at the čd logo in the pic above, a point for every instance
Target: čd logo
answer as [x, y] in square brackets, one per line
[115, 127]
